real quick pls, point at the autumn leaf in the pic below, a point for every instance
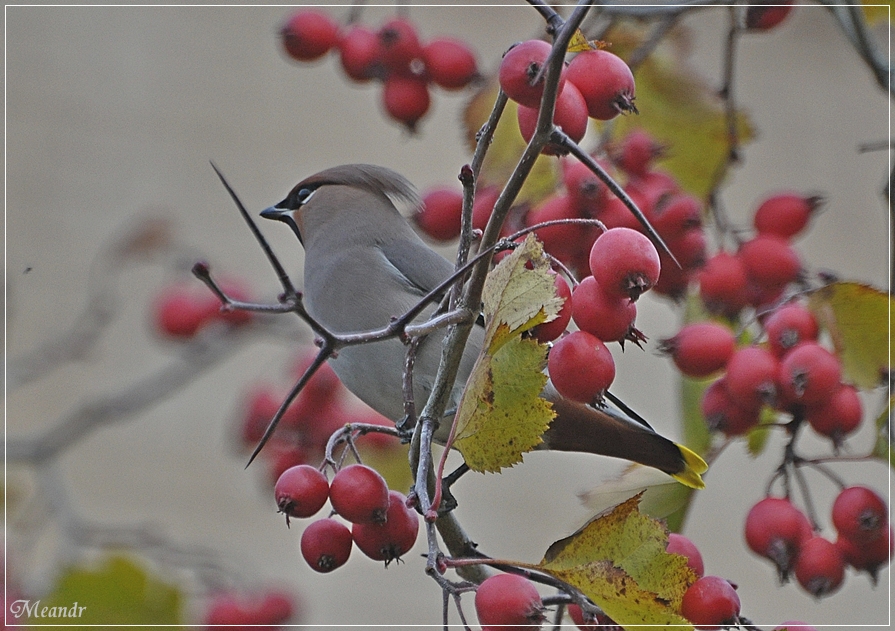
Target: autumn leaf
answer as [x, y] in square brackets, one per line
[858, 318]
[875, 12]
[501, 415]
[618, 560]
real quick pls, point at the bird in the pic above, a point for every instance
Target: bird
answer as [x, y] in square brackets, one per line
[364, 264]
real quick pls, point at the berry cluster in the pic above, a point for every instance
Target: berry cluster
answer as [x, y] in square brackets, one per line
[595, 84]
[322, 407]
[393, 55]
[271, 609]
[181, 311]
[777, 530]
[383, 526]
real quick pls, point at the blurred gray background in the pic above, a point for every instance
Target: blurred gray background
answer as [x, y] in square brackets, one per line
[113, 114]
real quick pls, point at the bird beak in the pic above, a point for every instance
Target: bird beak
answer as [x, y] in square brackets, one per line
[272, 212]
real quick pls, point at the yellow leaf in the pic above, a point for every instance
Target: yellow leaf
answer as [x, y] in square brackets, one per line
[618, 560]
[501, 414]
[579, 43]
[858, 318]
[875, 11]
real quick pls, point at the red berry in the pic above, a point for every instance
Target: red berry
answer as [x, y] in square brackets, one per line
[610, 318]
[450, 63]
[581, 367]
[570, 115]
[483, 206]
[721, 413]
[838, 416]
[605, 82]
[636, 153]
[406, 99]
[701, 348]
[520, 66]
[440, 214]
[794, 625]
[261, 404]
[224, 611]
[763, 15]
[770, 261]
[181, 311]
[860, 514]
[615, 214]
[785, 214]
[275, 608]
[819, 567]
[676, 215]
[809, 374]
[624, 262]
[399, 45]
[752, 377]
[679, 544]
[508, 599]
[710, 603]
[359, 494]
[788, 325]
[359, 53]
[549, 331]
[776, 529]
[326, 544]
[309, 34]
[869, 556]
[560, 240]
[301, 491]
[586, 191]
[722, 284]
[391, 539]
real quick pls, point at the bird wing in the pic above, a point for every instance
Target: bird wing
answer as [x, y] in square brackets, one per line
[422, 267]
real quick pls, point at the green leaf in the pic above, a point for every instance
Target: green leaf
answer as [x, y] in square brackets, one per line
[757, 438]
[858, 318]
[680, 110]
[618, 560]
[116, 592]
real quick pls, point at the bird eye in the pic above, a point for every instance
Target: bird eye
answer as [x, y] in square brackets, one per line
[304, 195]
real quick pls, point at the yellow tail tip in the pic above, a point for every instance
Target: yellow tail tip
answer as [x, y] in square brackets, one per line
[694, 467]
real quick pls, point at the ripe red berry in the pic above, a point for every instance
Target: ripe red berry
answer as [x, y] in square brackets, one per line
[391, 539]
[586, 191]
[776, 529]
[860, 514]
[838, 416]
[406, 99]
[722, 284]
[752, 377]
[549, 331]
[275, 608]
[770, 261]
[615, 214]
[809, 374]
[679, 544]
[763, 15]
[605, 82]
[508, 599]
[609, 318]
[560, 240]
[226, 610]
[326, 545]
[581, 367]
[819, 567]
[520, 66]
[450, 63]
[701, 348]
[869, 556]
[785, 214]
[483, 206]
[301, 491]
[439, 215]
[710, 603]
[570, 115]
[721, 413]
[309, 34]
[180, 312]
[636, 153]
[359, 494]
[624, 262]
[788, 325]
[262, 403]
[359, 53]
[399, 45]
